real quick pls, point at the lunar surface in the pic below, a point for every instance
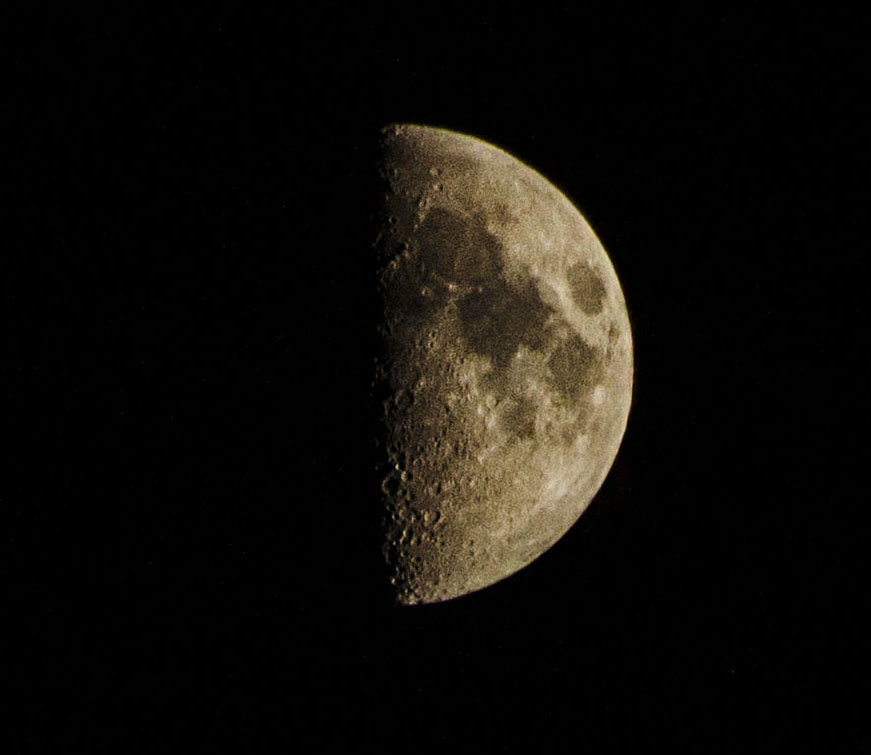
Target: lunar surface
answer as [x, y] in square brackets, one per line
[506, 368]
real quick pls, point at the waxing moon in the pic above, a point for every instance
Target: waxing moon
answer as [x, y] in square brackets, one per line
[506, 368]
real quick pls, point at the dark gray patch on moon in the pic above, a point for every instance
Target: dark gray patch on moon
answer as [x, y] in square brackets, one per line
[575, 367]
[588, 290]
[417, 301]
[518, 419]
[456, 250]
[500, 317]
[495, 316]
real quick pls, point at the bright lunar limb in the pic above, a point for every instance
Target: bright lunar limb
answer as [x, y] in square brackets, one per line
[507, 363]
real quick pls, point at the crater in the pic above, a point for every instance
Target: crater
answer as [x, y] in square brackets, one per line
[575, 368]
[587, 288]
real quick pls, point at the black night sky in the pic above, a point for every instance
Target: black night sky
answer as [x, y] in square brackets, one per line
[188, 320]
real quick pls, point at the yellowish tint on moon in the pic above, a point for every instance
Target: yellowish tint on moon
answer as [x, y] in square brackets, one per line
[507, 363]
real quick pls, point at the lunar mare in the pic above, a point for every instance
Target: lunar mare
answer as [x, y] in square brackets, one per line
[506, 368]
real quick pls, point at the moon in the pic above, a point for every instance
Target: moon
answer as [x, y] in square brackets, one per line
[506, 369]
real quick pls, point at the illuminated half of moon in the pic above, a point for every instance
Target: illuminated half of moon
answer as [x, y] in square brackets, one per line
[506, 366]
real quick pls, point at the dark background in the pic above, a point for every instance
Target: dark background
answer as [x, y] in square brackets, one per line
[188, 502]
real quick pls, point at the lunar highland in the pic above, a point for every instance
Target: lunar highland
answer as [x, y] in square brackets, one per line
[506, 367]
